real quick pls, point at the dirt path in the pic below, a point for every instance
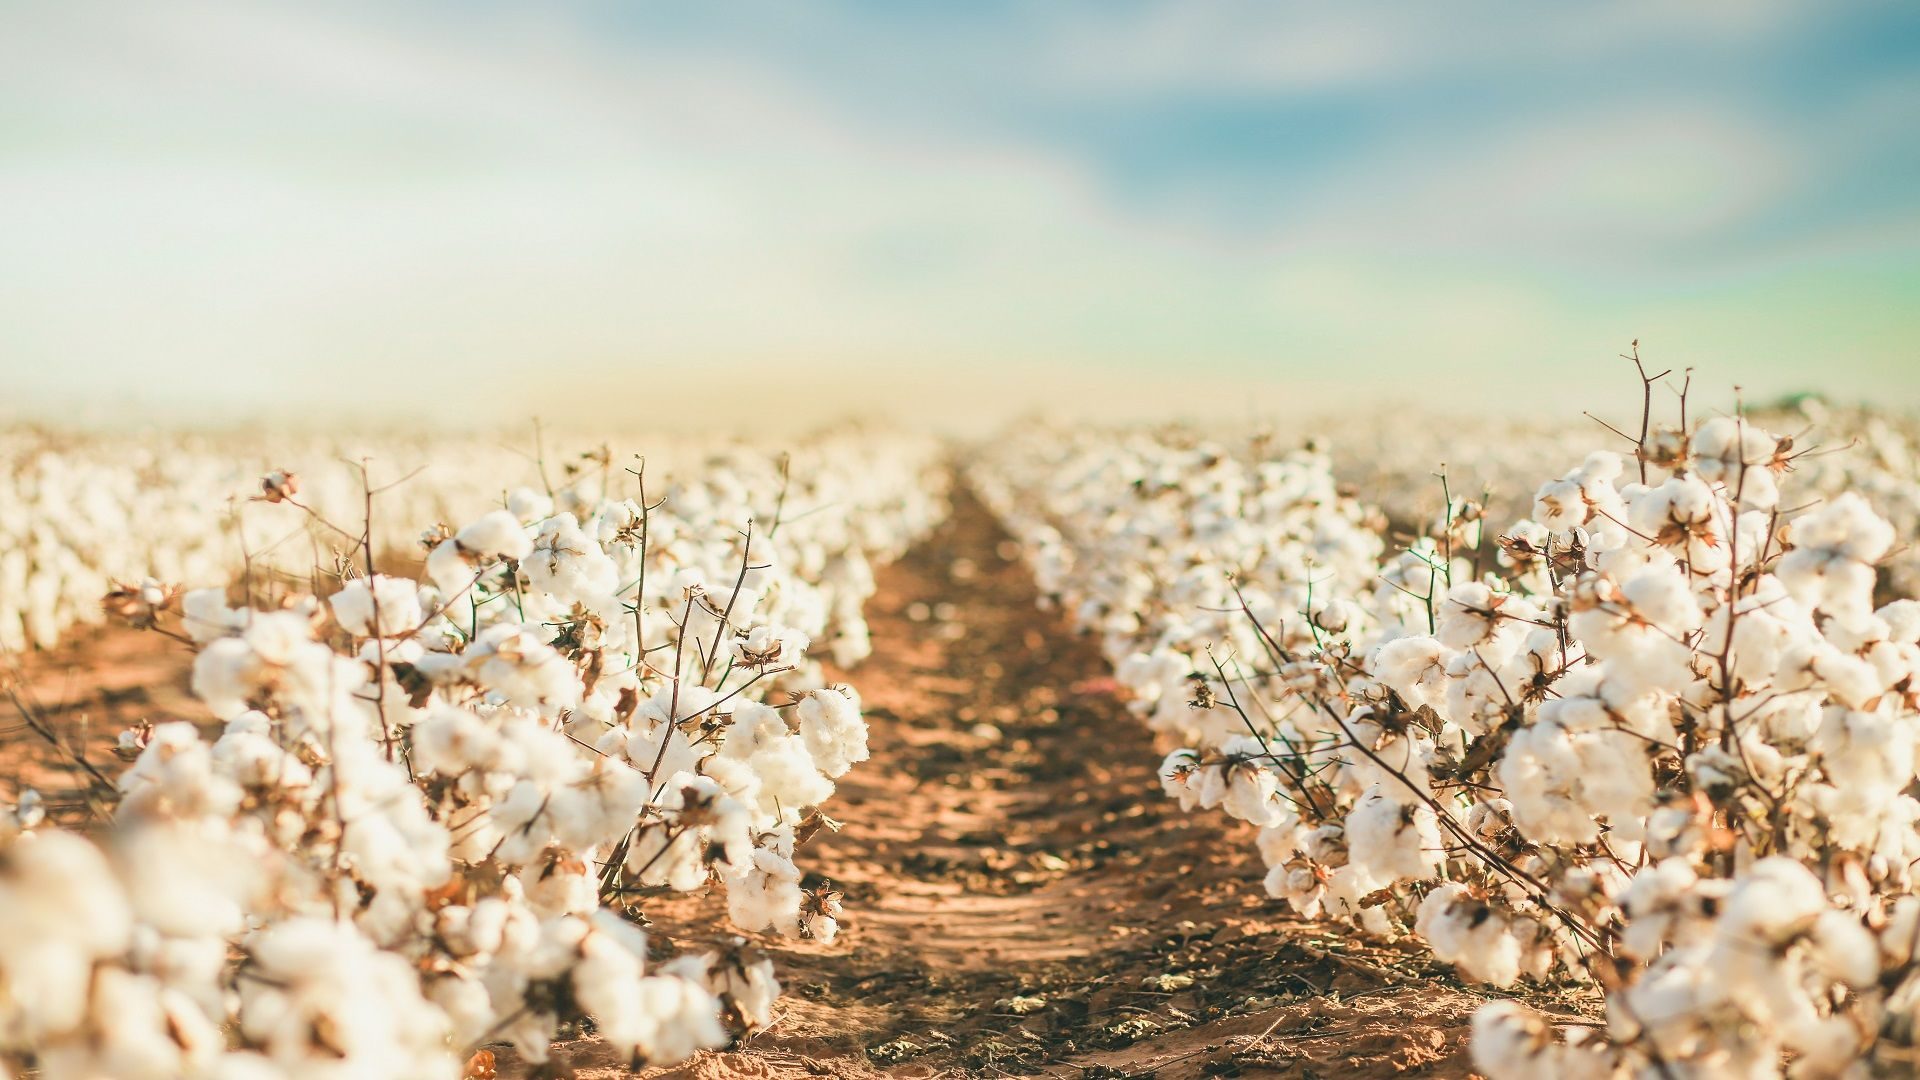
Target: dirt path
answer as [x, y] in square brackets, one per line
[1021, 900]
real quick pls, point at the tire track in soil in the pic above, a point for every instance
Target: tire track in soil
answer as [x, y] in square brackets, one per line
[1008, 838]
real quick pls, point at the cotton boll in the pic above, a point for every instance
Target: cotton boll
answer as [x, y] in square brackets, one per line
[207, 617]
[1415, 667]
[1834, 549]
[741, 978]
[1469, 616]
[767, 896]
[767, 645]
[175, 777]
[1734, 454]
[65, 911]
[570, 565]
[526, 504]
[832, 729]
[396, 601]
[1466, 932]
[1394, 840]
[1844, 950]
[522, 669]
[325, 994]
[450, 741]
[790, 783]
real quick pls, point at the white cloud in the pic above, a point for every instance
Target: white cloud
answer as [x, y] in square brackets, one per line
[232, 204]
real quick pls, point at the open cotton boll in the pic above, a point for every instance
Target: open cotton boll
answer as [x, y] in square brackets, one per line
[790, 782]
[1415, 667]
[522, 669]
[569, 564]
[767, 645]
[327, 996]
[191, 879]
[1467, 932]
[527, 504]
[206, 615]
[1394, 840]
[175, 777]
[834, 733]
[766, 896]
[1835, 547]
[380, 606]
[1733, 453]
[449, 741]
[741, 979]
[64, 912]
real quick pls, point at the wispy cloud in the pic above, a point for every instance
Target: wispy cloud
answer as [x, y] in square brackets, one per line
[231, 205]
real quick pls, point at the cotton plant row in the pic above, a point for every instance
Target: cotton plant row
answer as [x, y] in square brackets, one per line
[1395, 463]
[79, 513]
[1659, 736]
[437, 806]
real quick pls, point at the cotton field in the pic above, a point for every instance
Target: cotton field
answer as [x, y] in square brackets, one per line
[513, 759]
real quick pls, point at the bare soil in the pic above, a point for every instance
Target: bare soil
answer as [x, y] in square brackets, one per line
[1021, 899]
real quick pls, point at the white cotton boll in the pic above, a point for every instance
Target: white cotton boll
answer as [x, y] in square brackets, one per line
[397, 601]
[1675, 511]
[560, 886]
[467, 1005]
[1180, 777]
[1775, 898]
[1844, 950]
[1903, 621]
[1511, 1042]
[671, 1020]
[526, 504]
[1660, 595]
[1734, 454]
[1469, 615]
[1490, 818]
[1541, 774]
[450, 741]
[767, 645]
[223, 677]
[1465, 931]
[834, 733]
[1831, 566]
[64, 911]
[1279, 842]
[511, 661]
[599, 807]
[449, 569]
[1395, 841]
[790, 783]
[189, 879]
[672, 749]
[669, 857]
[1414, 667]
[570, 565]
[206, 616]
[744, 983]
[326, 995]
[142, 1030]
[767, 896]
[1250, 794]
[175, 777]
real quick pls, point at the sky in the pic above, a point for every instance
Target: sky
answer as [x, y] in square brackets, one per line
[773, 214]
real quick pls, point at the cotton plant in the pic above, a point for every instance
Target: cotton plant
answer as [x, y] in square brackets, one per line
[434, 803]
[1659, 735]
[83, 515]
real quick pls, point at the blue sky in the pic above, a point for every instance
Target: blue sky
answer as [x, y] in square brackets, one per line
[952, 212]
